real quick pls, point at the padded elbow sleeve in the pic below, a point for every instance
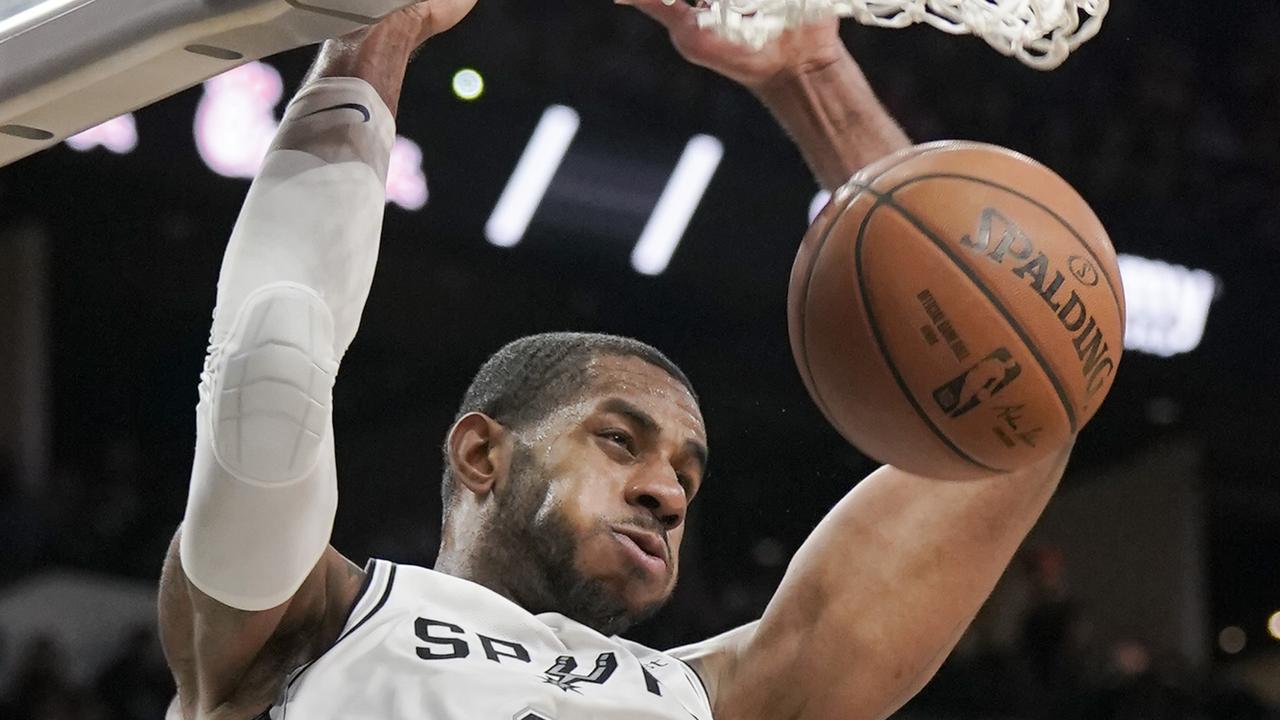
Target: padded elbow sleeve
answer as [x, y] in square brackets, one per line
[271, 386]
[294, 281]
[263, 487]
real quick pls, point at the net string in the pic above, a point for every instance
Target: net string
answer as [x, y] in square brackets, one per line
[1040, 33]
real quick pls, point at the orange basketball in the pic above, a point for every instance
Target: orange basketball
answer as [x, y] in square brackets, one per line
[956, 310]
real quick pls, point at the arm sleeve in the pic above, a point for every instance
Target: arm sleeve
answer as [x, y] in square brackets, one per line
[294, 281]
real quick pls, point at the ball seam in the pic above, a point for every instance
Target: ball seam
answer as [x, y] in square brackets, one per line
[887, 199]
[883, 200]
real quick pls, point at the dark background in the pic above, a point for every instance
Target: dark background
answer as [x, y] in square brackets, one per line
[1168, 123]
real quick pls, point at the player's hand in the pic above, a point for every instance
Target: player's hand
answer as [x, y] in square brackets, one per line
[805, 47]
[433, 17]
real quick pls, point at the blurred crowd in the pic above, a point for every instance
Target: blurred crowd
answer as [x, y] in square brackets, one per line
[1061, 666]
[1058, 668]
[135, 685]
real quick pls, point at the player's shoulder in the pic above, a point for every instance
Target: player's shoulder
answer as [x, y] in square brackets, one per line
[654, 658]
[638, 649]
[346, 583]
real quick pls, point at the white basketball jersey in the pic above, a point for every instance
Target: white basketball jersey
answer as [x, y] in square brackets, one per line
[422, 645]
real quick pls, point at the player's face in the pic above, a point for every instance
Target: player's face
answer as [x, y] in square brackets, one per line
[620, 467]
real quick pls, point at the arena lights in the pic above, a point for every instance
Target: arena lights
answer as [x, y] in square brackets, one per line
[542, 158]
[1168, 305]
[235, 122]
[529, 182]
[679, 199]
[1273, 625]
[235, 119]
[468, 84]
[406, 182]
[118, 135]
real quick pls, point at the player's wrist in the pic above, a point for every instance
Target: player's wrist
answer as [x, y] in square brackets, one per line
[825, 66]
[377, 55]
[829, 109]
[389, 43]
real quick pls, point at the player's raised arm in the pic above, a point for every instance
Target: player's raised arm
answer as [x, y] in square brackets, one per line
[250, 588]
[878, 596]
[807, 79]
[882, 590]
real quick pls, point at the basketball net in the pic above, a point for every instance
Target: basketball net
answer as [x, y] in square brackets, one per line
[1040, 33]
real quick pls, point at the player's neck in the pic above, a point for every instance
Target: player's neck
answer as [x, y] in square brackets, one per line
[463, 566]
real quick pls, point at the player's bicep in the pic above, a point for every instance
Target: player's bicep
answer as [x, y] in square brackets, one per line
[220, 655]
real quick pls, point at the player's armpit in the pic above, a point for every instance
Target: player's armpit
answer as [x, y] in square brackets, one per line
[716, 658]
[230, 663]
[880, 593]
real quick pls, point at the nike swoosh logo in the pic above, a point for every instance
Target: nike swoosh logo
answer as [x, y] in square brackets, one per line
[345, 106]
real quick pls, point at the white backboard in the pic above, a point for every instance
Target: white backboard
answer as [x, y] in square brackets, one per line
[71, 64]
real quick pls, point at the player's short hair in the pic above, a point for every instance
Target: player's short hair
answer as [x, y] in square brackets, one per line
[527, 379]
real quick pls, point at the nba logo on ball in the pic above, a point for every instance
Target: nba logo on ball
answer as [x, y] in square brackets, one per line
[956, 310]
[977, 383]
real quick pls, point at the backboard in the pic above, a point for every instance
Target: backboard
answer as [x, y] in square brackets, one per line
[70, 64]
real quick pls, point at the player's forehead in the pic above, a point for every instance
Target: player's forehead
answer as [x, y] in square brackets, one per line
[618, 382]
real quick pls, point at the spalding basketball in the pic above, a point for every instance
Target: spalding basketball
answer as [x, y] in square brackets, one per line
[956, 310]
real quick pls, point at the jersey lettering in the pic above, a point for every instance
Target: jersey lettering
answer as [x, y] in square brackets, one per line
[422, 628]
[492, 651]
[651, 682]
[440, 646]
[439, 636]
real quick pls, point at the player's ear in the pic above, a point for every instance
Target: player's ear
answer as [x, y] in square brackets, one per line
[479, 452]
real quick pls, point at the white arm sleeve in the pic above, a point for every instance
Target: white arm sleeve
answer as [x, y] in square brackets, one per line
[294, 281]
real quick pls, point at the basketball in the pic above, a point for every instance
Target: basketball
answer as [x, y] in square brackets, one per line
[956, 310]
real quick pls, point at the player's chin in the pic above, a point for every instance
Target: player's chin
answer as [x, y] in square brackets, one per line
[645, 594]
[644, 588]
[642, 600]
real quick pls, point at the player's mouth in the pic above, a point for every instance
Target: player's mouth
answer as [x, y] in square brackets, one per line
[644, 548]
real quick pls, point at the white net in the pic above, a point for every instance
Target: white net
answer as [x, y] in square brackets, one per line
[1040, 33]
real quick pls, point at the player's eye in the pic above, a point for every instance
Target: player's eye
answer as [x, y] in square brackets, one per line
[621, 439]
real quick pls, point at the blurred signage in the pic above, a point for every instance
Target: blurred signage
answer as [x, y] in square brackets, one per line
[235, 121]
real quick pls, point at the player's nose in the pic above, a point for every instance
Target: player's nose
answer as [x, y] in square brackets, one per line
[656, 490]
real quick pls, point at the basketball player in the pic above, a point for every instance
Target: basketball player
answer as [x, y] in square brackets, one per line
[568, 475]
